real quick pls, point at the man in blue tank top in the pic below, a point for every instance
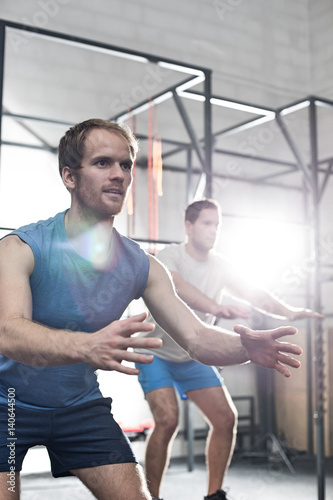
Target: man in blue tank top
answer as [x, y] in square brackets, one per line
[64, 284]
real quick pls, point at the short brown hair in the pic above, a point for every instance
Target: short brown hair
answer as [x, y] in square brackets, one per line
[193, 210]
[71, 145]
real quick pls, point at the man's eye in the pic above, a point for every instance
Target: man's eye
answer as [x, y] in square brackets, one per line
[101, 163]
[126, 166]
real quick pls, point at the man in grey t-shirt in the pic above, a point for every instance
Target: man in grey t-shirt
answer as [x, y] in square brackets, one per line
[200, 276]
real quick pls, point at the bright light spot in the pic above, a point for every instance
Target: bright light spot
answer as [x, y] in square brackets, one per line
[30, 187]
[263, 251]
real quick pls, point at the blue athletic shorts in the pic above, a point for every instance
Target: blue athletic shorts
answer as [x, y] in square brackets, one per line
[76, 437]
[184, 377]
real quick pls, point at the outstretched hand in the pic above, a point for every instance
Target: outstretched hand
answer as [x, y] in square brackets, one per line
[109, 346]
[265, 350]
[300, 313]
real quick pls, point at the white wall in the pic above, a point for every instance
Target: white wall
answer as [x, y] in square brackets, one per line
[321, 47]
[261, 51]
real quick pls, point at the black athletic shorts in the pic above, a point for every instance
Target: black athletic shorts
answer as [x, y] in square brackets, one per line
[76, 437]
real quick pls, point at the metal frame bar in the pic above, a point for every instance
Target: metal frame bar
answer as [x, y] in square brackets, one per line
[144, 105]
[318, 331]
[190, 130]
[2, 71]
[326, 178]
[189, 177]
[208, 139]
[104, 47]
[300, 163]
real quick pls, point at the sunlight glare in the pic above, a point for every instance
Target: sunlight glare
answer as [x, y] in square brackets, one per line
[263, 250]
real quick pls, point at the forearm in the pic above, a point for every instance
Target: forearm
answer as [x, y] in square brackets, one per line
[268, 304]
[215, 346]
[193, 297]
[37, 345]
[105, 349]
[272, 306]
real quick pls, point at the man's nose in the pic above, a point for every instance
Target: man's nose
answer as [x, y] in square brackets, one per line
[116, 171]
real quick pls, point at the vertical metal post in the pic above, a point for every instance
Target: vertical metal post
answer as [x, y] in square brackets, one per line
[319, 357]
[190, 434]
[2, 74]
[309, 348]
[208, 133]
[189, 177]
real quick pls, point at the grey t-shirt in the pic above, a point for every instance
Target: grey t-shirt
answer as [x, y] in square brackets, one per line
[210, 277]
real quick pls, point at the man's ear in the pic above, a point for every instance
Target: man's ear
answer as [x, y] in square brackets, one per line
[68, 178]
[188, 226]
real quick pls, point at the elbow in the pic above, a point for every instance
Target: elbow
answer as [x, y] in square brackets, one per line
[3, 338]
[194, 354]
[205, 354]
[8, 346]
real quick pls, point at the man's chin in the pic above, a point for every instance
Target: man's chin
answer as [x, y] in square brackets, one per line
[116, 209]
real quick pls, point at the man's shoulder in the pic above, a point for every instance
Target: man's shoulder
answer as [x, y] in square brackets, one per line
[219, 258]
[38, 233]
[223, 266]
[40, 225]
[172, 249]
[124, 242]
[172, 253]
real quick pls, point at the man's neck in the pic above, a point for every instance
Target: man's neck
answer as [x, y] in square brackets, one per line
[195, 253]
[90, 238]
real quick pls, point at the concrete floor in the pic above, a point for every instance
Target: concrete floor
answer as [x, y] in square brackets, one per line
[247, 479]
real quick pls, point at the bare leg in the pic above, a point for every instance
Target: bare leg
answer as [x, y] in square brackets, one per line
[116, 481]
[221, 414]
[164, 407]
[9, 487]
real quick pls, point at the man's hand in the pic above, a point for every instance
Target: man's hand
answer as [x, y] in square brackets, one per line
[264, 350]
[231, 311]
[300, 313]
[107, 348]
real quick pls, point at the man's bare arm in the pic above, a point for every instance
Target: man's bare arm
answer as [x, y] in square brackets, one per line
[268, 304]
[25, 341]
[212, 345]
[199, 301]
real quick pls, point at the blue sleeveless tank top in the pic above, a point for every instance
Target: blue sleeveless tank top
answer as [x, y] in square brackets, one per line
[69, 293]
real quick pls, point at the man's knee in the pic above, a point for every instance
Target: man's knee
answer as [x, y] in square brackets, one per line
[167, 424]
[166, 414]
[225, 421]
[231, 418]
